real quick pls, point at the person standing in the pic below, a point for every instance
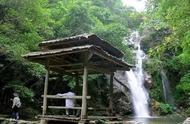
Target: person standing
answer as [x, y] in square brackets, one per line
[69, 102]
[16, 106]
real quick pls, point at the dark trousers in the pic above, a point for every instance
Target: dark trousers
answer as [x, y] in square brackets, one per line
[15, 113]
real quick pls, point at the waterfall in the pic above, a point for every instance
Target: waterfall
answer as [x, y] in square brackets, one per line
[166, 88]
[139, 94]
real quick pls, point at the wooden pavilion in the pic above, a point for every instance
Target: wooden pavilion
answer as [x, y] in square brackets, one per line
[78, 55]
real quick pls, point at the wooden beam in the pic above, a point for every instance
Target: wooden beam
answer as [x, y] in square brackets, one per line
[90, 67]
[71, 58]
[45, 89]
[78, 67]
[99, 69]
[63, 107]
[65, 97]
[62, 71]
[72, 65]
[61, 53]
[74, 70]
[111, 94]
[67, 65]
[111, 59]
[93, 68]
[90, 56]
[57, 59]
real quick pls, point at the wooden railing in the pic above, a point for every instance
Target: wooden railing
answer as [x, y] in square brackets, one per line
[71, 97]
[65, 97]
[63, 107]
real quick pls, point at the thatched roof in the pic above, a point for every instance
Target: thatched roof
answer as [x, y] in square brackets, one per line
[70, 60]
[79, 40]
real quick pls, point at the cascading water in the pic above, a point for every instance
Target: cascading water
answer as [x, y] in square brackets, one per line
[135, 77]
[166, 88]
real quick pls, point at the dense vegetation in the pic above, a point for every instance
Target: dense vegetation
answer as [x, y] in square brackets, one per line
[25, 23]
[166, 31]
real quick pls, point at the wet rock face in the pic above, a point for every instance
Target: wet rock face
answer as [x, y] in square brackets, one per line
[122, 103]
[121, 94]
[147, 80]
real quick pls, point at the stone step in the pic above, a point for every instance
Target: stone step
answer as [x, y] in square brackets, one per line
[187, 121]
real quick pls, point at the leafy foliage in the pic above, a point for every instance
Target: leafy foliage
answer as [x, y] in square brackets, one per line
[19, 87]
[165, 109]
[167, 42]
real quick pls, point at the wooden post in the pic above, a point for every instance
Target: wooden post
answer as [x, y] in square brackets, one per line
[84, 94]
[84, 89]
[111, 94]
[45, 90]
[77, 90]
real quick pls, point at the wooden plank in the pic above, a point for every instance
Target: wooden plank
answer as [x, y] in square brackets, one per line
[60, 117]
[76, 118]
[65, 97]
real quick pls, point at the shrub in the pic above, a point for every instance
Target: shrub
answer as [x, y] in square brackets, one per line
[165, 109]
[188, 112]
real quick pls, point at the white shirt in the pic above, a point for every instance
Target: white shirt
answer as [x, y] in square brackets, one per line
[68, 102]
[16, 102]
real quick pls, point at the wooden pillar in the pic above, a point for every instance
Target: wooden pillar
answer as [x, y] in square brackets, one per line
[84, 89]
[111, 94]
[45, 90]
[84, 94]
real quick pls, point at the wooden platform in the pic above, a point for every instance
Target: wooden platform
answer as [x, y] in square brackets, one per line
[74, 119]
[63, 118]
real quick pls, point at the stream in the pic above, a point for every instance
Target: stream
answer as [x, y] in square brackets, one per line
[159, 120]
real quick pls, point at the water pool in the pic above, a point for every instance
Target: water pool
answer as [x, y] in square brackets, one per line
[159, 120]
